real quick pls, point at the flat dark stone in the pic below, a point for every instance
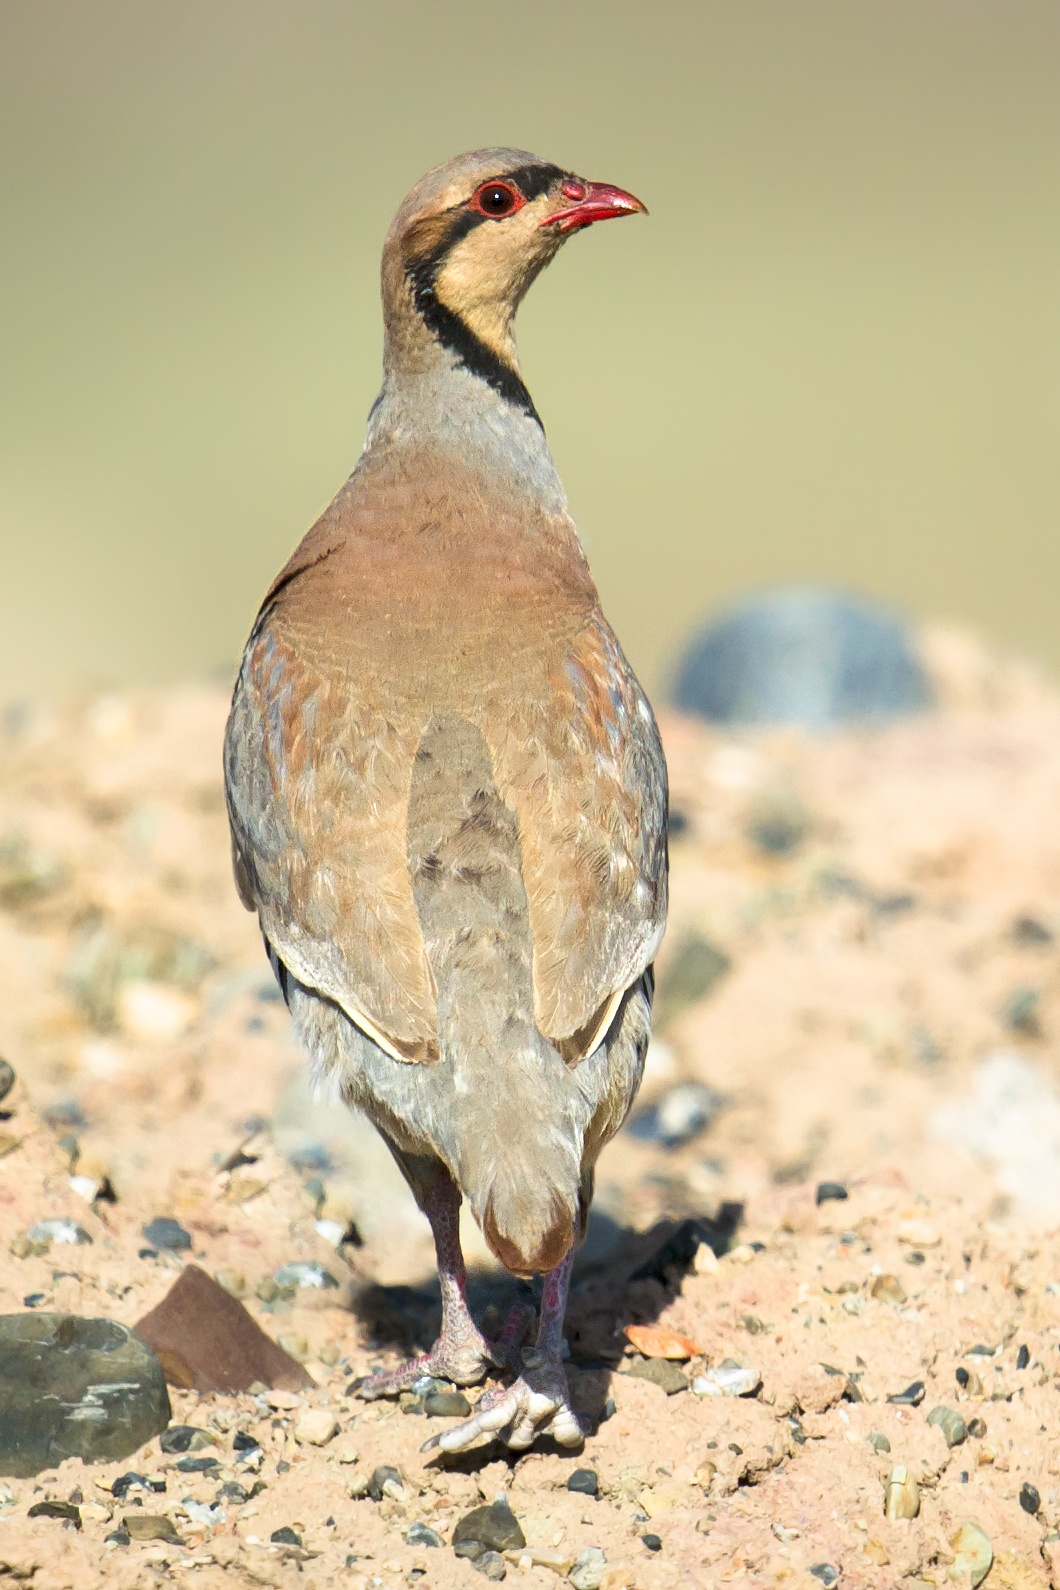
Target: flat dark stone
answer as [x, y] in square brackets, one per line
[184, 1438]
[495, 1527]
[194, 1465]
[75, 1387]
[64, 1510]
[7, 1078]
[826, 1573]
[653, 1542]
[125, 1483]
[167, 1233]
[662, 1372]
[911, 1397]
[585, 1482]
[490, 1563]
[285, 1537]
[232, 1491]
[206, 1340]
[244, 1442]
[150, 1526]
[447, 1405]
[1030, 1501]
[830, 1192]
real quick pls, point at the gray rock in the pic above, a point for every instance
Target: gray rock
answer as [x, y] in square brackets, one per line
[662, 1372]
[7, 1078]
[805, 656]
[588, 1569]
[949, 1421]
[681, 1114]
[447, 1405]
[878, 1441]
[185, 1438]
[495, 1528]
[58, 1231]
[585, 1481]
[73, 1387]
[304, 1273]
[168, 1234]
[490, 1563]
[422, 1535]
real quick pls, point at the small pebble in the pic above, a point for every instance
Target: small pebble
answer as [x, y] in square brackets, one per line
[584, 1481]
[304, 1273]
[889, 1289]
[7, 1078]
[977, 1428]
[58, 1231]
[653, 1542]
[950, 1423]
[165, 1233]
[446, 1405]
[1030, 1501]
[386, 1481]
[184, 1438]
[495, 1528]
[285, 1537]
[197, 1465]
[974, 1553]
[316, 1426]
[150, 1526]
[422, 1535]
[878, 1441]
[830, 1192]
[911, 1397]
[62, 1510]
[1023, 1357]
[588, 1569]
[826, 1573]
[662, 1372]
[902, 1496]
[490, 1563]
[726, 1382]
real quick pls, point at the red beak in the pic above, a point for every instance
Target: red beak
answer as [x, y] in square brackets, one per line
[594, 201]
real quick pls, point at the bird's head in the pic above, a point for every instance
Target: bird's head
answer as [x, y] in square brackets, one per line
[468, 242]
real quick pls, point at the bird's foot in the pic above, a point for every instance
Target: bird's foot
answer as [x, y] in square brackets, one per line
[538, 1403]
[465, 1357]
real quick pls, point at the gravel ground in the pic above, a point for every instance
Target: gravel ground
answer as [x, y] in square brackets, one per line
[859, 987]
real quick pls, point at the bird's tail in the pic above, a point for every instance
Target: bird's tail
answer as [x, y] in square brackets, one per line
[514, 1120]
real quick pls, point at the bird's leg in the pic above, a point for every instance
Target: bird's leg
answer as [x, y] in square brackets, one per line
[461, 1354]
[538, 1403]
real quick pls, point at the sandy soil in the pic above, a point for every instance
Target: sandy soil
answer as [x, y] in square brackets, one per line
[876, 915]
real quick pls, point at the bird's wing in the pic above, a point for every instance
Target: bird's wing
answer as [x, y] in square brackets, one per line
[317, 785]
[587, 778]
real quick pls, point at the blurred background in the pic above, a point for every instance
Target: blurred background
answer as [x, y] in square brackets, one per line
[832, 354]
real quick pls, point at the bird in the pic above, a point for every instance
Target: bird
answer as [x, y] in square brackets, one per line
[447, 793]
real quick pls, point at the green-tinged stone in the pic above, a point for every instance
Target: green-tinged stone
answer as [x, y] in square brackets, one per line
[150, 1526]
[74, 1387]
[662, 1372]
[495, 1528]
[950, 1423]
[447, 1405]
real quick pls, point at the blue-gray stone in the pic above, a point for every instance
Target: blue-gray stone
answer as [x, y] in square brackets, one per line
[806, 656]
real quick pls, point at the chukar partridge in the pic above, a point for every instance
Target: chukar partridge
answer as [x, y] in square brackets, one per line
[446, 789]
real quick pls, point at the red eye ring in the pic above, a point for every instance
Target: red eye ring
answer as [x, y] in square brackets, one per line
[495, 200]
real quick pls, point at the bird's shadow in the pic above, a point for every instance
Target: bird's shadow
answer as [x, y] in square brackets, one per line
[621, 1277]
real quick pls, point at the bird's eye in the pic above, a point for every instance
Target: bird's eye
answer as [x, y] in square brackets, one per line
[496, 199]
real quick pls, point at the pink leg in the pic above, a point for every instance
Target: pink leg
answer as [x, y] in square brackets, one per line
[461, 1353]
[539, 1401]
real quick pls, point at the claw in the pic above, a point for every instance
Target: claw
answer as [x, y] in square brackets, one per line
[517, 1413]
